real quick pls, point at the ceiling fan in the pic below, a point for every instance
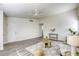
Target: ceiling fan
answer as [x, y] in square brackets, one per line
[36, 13]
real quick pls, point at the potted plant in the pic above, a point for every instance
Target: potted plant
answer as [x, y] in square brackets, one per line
[77, 53]
[72, 32]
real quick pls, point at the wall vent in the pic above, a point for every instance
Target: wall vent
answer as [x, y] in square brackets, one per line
[30, 20]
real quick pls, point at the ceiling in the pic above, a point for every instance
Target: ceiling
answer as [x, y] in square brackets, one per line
[27, 10]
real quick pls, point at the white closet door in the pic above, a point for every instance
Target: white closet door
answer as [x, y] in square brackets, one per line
[22, 29]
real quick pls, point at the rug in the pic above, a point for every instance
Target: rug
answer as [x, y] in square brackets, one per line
[57, 48]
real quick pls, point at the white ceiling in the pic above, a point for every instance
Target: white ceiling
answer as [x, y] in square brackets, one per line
[27, 10]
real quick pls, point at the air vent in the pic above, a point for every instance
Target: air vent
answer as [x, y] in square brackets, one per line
[30, 20]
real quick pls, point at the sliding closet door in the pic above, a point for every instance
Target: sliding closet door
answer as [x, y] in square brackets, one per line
[1, 30]
[27, 29]
[24, 29]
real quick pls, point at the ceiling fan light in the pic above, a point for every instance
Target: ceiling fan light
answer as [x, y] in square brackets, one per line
[36, 14]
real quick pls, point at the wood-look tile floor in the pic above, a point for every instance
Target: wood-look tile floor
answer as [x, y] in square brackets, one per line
[11, 49]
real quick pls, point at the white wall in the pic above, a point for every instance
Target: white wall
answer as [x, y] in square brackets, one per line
[61, 22]
[21, 29]
[1, 30]
[77, 9]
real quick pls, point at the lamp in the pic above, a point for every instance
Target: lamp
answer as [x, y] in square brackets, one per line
[74, 42]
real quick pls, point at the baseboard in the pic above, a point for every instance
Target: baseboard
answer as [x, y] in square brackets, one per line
[21, 40]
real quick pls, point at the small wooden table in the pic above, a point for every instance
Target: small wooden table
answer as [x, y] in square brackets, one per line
[53, 36]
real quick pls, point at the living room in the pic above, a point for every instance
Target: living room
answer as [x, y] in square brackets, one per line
[26, 27]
